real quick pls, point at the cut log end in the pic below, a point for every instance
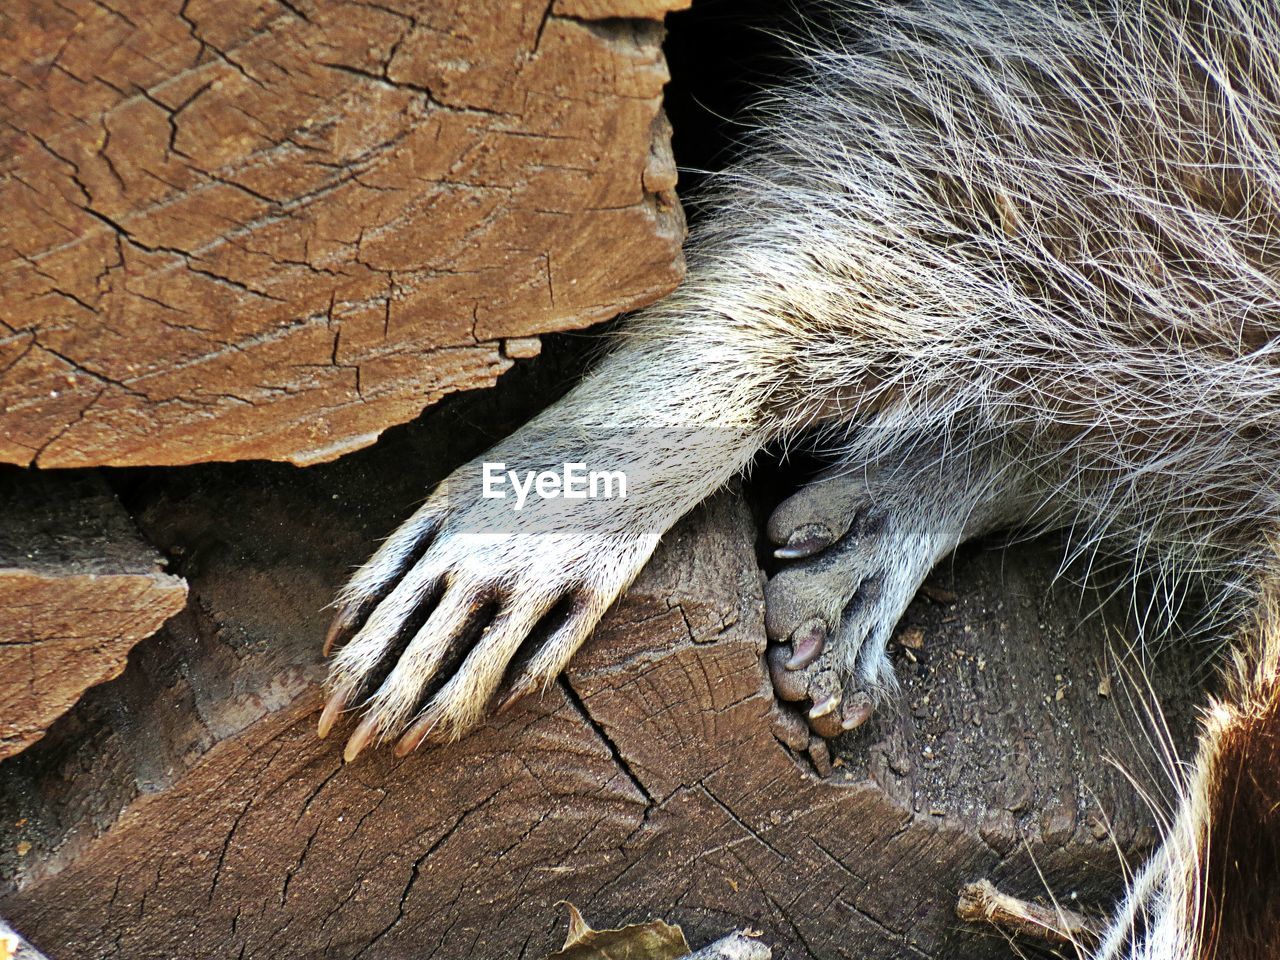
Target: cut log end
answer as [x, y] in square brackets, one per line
[649, 782]
[261, 235]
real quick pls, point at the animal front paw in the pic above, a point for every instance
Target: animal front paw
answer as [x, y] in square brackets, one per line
[467, 607]
[857, 552]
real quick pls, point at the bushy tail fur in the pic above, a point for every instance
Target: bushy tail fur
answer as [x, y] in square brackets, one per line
[1212, 891]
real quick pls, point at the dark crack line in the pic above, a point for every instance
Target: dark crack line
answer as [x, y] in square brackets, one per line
[302, 859]
[795, 929]
[618, 759]
[68, 426]
[194, 30]
[428, 95]
[102, 378]
[315, 792]
[751, 831]
[226, 845]
[30, 345]
[293, 8]
[542, 26]
[417, 869]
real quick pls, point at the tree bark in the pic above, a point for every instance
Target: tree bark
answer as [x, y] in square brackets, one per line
[186, 810]
[272, 228]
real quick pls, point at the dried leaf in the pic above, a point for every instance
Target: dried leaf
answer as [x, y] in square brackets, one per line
[654, 940]
[578, 927]
[911, 638]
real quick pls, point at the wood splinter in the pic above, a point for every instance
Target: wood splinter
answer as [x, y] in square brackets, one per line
[982, 902]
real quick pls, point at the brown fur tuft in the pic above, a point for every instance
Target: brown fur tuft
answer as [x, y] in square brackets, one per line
[1241, 747]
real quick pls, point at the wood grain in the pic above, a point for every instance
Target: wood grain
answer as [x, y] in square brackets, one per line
[271, 229]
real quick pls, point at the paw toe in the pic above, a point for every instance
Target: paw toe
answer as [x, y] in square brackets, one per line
[807, 643]
[800, 595]
[836, 704]
[817, 516]
[830, 613]
[789, 685]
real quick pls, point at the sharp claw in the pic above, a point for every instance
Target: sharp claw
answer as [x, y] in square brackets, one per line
[337, 626]
[518, 693]
[332, 710]
[856, 712]
[360, 739]
[507, 702]
[825, 714]
[789, 553]
[805, 541]
[825, 705]
[417, 733]
[806, 644]
[787, 684]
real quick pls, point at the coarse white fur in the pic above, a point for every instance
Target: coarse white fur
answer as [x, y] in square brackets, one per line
[1015, 261]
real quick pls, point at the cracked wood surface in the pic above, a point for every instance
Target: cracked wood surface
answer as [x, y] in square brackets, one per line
[186, 810]
[79, 588]
[272, 228]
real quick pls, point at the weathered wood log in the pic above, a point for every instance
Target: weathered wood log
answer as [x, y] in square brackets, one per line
[186, 810]
[272, 228]
[78, 587]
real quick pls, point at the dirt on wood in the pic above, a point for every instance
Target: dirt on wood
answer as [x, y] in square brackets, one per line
[272, 228]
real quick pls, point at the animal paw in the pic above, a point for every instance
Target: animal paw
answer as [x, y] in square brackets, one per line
[857, 552]
[462, 611]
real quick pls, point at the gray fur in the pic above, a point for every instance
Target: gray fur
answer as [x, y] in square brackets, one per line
[1031, 243]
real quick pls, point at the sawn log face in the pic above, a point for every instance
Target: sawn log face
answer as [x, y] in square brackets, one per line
[78, 587]
[255, 229]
